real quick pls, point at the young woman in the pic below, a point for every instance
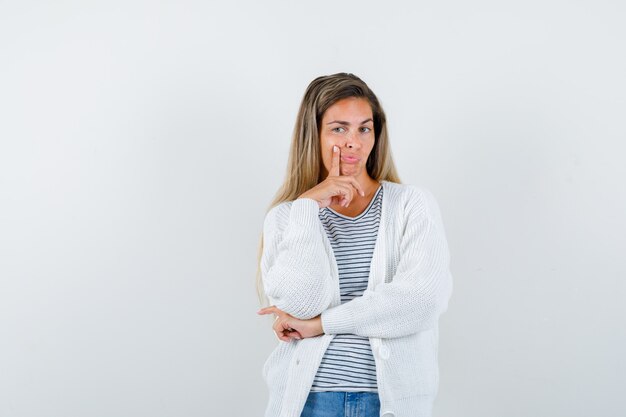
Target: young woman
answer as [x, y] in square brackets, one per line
[355, 265]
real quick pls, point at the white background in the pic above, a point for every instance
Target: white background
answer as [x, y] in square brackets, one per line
[141, 143]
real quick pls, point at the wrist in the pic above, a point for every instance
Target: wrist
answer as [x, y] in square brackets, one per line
[304, 196]
[320, 328]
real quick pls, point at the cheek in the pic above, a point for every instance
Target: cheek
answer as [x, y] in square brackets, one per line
[324, 141]
[327, 141]
[370, 147]
[325, 161]
[326, 146]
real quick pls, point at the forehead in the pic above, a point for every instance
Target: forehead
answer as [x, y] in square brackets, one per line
[351, 108]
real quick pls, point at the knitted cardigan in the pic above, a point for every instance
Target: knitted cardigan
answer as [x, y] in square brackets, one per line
[409, 287]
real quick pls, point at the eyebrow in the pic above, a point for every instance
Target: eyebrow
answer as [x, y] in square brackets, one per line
[341, 122]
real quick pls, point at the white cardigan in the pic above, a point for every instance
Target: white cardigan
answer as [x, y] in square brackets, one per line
[409, 287]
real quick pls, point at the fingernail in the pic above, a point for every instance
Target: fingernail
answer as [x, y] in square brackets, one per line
[335, 148]
[363, 193]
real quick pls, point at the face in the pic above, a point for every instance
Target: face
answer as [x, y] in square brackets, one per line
[349, 124]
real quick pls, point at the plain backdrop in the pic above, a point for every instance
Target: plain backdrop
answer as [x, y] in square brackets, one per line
[141, 143]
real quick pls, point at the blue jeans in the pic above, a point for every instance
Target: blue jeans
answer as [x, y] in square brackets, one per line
[341, 404]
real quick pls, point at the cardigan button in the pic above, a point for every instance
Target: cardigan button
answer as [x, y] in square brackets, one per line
[383, 351]
[388, 414]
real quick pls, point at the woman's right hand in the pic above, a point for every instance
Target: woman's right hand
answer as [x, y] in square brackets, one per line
[336, 188]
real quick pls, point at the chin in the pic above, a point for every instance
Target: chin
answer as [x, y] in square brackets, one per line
[351, 171]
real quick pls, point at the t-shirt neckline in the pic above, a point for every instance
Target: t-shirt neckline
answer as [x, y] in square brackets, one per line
[364, 212]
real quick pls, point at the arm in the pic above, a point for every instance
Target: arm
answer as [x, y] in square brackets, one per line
[420, 288]
[295, 269]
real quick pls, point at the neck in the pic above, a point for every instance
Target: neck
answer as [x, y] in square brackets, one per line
[369, 185]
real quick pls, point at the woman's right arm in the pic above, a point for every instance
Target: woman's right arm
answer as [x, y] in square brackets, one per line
[295, 268]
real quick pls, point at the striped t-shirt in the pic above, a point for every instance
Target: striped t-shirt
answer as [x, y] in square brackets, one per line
[348, 363]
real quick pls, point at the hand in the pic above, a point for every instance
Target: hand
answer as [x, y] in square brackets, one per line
[288, 327]
[336, 188]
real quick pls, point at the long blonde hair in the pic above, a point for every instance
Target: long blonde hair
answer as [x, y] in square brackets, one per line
[304, 167]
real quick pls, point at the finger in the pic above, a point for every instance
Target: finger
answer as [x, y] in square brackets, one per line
[339, 198]
[346, 192]
[280, 326]
[290, 332]
[277, 327]
[282, 337]
[352, 184]
[282, 331]
[294, 335]
[276, 314]
[358, 186]
[268, 310]
[334, 162]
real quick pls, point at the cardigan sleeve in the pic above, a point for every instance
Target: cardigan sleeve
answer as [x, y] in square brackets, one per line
[295, 267]
[419, 291]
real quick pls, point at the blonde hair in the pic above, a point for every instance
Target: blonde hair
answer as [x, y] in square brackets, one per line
[304, 167]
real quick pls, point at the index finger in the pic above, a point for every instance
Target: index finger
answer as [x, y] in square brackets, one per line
[268, 310]
[334, 162]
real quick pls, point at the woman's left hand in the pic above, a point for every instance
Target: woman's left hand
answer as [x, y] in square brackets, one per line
[288, 327]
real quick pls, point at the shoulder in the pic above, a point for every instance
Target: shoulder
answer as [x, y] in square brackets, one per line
[277, 217]
[300, 213]
[415, 199]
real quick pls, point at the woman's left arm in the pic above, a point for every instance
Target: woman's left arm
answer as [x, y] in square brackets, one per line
[419, 291]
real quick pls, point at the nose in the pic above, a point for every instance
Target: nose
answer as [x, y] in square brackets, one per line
[352, 141]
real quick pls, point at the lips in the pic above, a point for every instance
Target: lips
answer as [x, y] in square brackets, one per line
[350, 159]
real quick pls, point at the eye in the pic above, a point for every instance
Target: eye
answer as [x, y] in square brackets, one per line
[365, 129]
[338, 129]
